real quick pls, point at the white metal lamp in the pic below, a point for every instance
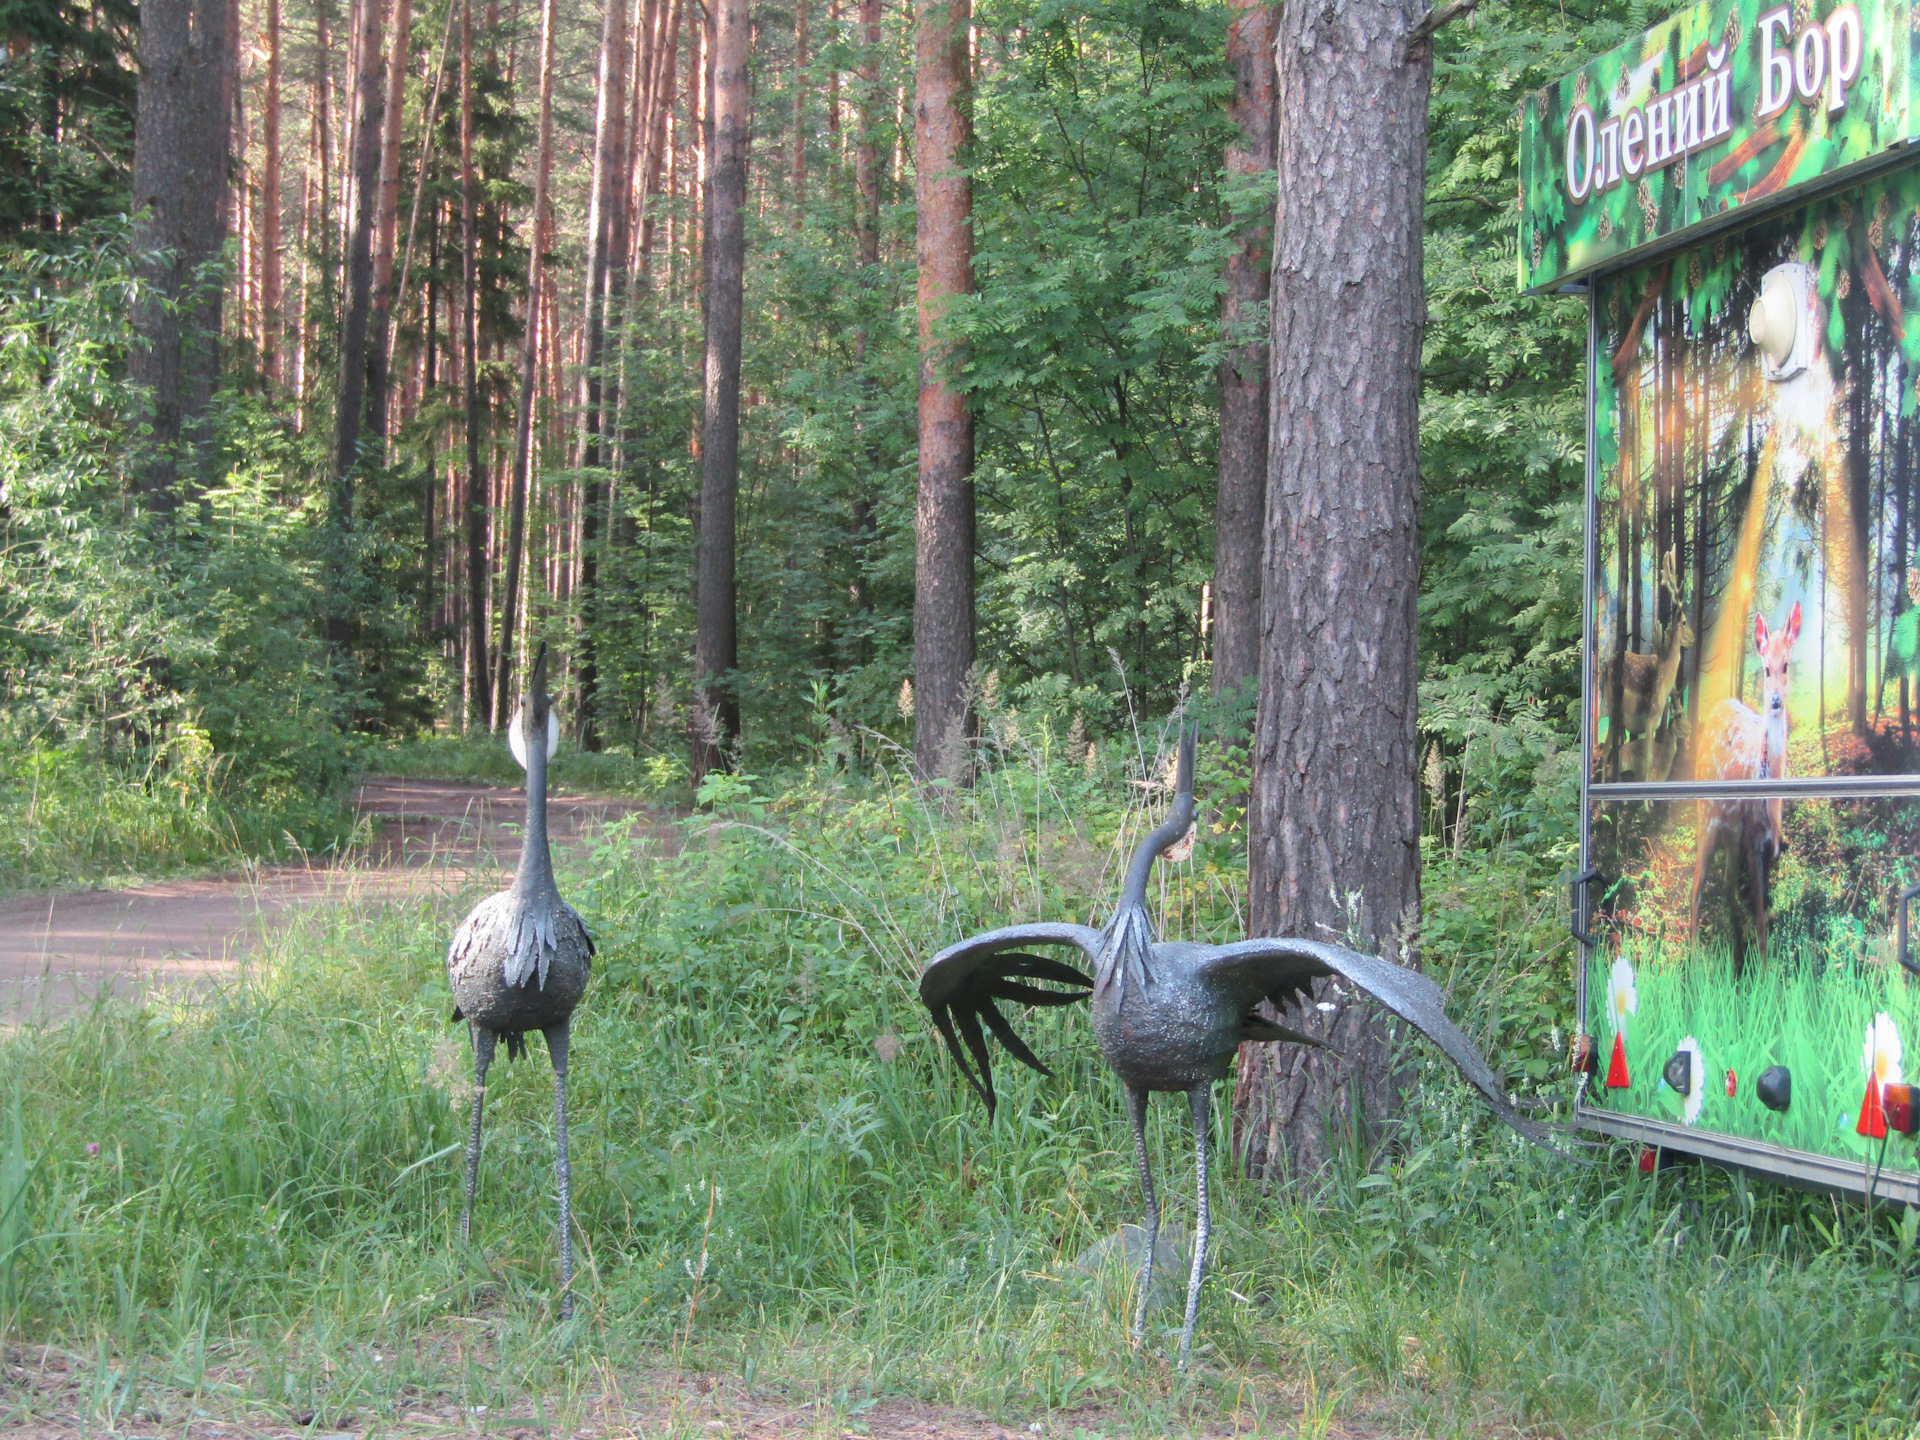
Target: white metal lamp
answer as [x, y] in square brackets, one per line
[1783, 323]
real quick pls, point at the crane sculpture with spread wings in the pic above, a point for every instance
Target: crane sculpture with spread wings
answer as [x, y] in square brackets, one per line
[1170, 1015]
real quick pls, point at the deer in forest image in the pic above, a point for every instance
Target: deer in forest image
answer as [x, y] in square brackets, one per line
[1738, 742]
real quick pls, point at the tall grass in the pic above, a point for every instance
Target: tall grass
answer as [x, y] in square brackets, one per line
[67, 816]
[777, 1176]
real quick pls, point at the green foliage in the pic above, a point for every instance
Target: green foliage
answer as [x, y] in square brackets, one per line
[184, 665]
[1502, 443]
[66, 116]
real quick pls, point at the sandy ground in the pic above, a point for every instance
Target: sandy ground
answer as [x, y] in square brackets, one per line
[60, 949]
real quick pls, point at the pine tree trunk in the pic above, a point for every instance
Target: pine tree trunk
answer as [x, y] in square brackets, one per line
[603, 232]
[479, 692]
[180, 194]
[1239, 517]
[529, 353]
[271, 303]
[716, 647]
[943, 633]
[866, 230]
[799, 113]
[1335, 820]
[659, 145]
[387, 226]
[362, 199]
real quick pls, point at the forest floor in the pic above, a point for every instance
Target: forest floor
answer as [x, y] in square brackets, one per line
[657, 1403]
[60, 950]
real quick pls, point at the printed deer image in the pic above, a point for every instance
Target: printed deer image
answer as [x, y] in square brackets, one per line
[1738, 742]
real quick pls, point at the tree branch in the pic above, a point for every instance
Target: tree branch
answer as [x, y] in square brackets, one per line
[1439, 15]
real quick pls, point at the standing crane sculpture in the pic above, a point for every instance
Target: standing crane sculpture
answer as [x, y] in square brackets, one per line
[520, 961]
[1170, 1015]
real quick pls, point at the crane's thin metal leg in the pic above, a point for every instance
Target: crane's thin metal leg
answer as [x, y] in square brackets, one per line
[557, 1050]
[1201, 1098]
[484, 1041]
[1137, 1112]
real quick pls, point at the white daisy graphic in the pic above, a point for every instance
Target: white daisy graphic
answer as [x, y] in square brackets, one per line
[1880, 1056]
[1880, 1063]
[1622, 999]
[1696, 1078]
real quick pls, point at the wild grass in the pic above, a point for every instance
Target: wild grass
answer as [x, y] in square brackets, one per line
[779, 1179]
[68, 817]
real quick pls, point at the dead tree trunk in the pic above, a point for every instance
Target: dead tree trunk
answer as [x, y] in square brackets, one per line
[1335, 820]
[180, 156]
[1239, 515]
[716, 641]
[529, 352]
[943, 626]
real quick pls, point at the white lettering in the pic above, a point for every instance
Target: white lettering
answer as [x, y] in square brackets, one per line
[1776, 70]
[1579, 153]
[1843, 55]
[1632, 131]
[1716, 119]
[1607, 166]
[1686, 117]
[1659, 132]
[1810, 62]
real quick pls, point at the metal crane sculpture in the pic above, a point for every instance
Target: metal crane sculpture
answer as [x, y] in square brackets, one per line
[520, 960]
[1170, 1015]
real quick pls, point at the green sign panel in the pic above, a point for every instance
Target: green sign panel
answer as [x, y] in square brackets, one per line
[1731, 103]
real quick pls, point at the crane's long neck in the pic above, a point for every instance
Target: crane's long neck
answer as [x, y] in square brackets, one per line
[536, 859]
[1178, 821]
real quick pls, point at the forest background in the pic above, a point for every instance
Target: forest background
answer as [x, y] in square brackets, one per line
[294, 610]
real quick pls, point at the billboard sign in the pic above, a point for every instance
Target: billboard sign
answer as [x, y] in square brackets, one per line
[1730, 104]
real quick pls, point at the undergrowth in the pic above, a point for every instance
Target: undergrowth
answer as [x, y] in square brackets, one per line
[778, 1176]
[67, 816]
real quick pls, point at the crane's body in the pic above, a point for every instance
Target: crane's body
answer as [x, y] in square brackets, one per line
[520, 962]
[1170, 1016]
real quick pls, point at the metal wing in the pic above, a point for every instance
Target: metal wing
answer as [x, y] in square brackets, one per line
[1283, 970]
[960, 984]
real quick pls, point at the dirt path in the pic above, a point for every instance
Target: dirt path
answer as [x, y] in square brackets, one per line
[60, 949]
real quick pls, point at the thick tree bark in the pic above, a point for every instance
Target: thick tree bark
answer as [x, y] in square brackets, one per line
[180, 184]
[479, 692]
[1239, 518]
[716, 642]
[387, 226]
[1335, 825]
[605, 229]
[529, 353]
[943, 621]
[271, 285]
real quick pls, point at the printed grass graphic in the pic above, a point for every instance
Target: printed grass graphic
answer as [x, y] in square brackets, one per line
[1805, 1008]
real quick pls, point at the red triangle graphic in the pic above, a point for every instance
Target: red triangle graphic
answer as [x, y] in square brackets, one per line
[1873, 1119]
[1617, 1066]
